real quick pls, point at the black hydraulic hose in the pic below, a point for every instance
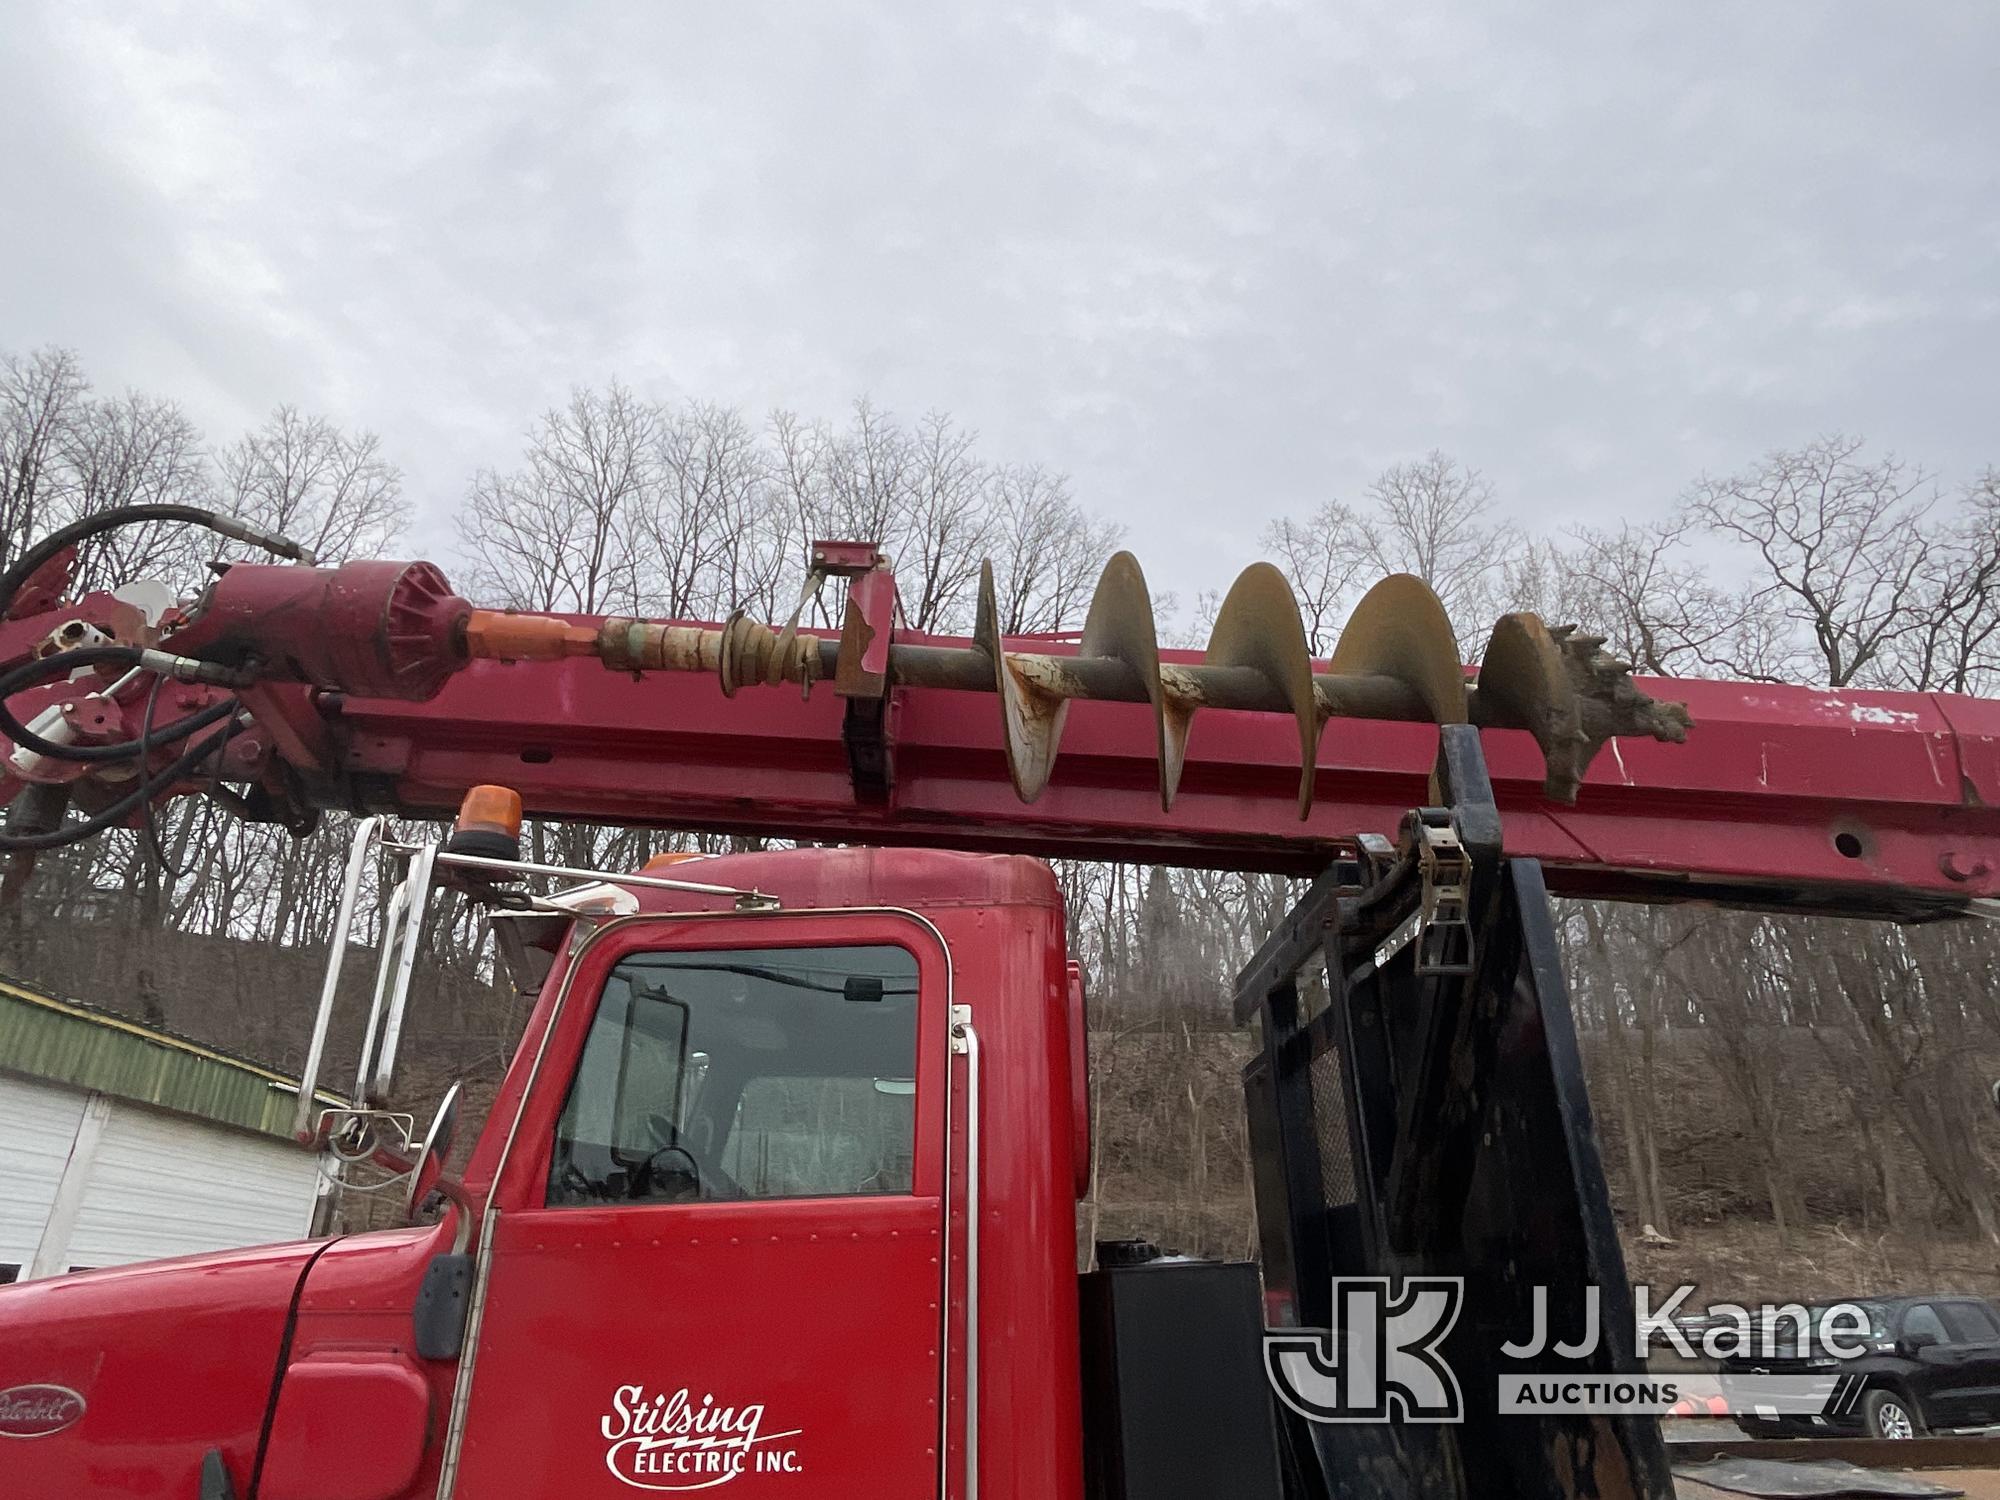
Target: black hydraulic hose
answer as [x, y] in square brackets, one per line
[57, 838]
[30, 562]
[29, 674]
[155, 846]
[16, 576]
[38, 556]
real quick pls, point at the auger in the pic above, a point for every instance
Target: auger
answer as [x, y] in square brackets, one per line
[1397, 658]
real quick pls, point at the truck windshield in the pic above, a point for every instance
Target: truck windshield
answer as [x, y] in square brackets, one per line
[744, 1073]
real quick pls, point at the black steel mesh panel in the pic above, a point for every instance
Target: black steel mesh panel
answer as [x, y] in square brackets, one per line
[1329, 1106]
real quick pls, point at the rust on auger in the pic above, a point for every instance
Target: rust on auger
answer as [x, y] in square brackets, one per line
[1397, 658]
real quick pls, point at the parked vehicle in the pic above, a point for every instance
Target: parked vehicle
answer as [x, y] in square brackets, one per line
[1930, 1363]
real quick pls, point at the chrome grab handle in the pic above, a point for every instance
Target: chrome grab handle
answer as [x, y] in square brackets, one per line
[965, 1040]
[365, 834]
[418, 883]
[392, 932]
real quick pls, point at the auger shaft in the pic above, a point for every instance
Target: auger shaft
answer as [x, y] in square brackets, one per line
[1107, 679]
[628, 645]
[642, 646]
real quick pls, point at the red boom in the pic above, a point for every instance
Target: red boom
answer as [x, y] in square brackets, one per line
[1880, 802]
[1877, 803]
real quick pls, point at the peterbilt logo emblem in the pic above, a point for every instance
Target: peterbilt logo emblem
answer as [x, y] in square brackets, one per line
[28, 1411]
[680, 1442]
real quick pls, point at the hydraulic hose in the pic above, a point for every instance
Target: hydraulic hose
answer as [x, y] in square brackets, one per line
[30, 674]
[36, 557]
[32, 561]
[117, 812]
[43, 552]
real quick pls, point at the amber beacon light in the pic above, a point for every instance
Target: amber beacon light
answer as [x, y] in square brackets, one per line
[489, 824]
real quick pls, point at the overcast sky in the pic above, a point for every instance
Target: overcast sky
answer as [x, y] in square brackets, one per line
[1216, 261]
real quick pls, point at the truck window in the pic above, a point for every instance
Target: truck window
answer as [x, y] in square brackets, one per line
[1923, 1318]
[744, 1073]
[1970, 1323]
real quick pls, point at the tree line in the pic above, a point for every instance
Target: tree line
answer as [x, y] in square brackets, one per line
[1718, 1043]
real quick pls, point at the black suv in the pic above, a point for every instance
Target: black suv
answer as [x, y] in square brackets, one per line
[1928, 1363]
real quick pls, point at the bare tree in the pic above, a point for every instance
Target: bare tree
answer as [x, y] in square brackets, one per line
[946, 523]
[1330, 558]
[717, 529]
[40, 394]
[1842, 545]
[1956, 646]
[558, 533]
[922, 494]
[1641, 586]
[1049, 550]
[134, 450]
[305, 478]
[1434, 518]
[850, 484]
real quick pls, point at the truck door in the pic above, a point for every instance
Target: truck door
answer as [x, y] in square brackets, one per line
[1975, 1338]
[1939, 1381]
[715, 1261]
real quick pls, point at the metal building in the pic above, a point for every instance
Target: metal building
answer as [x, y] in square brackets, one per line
[122, 1142]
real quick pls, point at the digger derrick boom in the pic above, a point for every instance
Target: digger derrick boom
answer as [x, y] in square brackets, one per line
[1761, 806]
[372, 687]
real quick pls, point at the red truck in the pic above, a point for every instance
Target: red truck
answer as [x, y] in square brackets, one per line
[778, 1195]
[659, 1303]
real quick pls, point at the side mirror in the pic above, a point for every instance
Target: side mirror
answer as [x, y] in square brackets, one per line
[1915, 1343]
[437, 1146]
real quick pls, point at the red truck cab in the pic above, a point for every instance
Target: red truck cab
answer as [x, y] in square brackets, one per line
[774, 1202]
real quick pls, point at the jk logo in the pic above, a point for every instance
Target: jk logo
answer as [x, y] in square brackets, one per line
[1380, 1358]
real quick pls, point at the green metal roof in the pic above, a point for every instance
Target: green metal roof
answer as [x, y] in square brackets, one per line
[66, 1041]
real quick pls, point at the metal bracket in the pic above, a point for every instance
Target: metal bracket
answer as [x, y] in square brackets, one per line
[1440, 923]
[1444, 929]
[861, 671]
[357, 1134]
[871, 749]
[961, 1029]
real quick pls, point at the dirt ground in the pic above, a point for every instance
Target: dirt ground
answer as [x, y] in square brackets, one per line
[1747, 1261]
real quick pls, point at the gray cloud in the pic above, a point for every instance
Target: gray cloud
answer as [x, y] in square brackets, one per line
[1218, 261]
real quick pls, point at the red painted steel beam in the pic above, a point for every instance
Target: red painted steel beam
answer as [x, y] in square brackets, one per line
[1876, 803]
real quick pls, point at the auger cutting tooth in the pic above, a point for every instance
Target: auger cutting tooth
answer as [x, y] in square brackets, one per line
[1259, 626]
[1570, 695]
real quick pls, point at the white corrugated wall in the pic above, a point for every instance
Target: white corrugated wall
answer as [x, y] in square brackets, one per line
[169, 1185]
[152, 1184]
[37, 1125]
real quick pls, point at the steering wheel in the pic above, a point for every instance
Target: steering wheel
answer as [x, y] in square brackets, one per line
[704, 1178]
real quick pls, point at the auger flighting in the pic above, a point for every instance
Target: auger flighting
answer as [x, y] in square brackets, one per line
[1396, 658]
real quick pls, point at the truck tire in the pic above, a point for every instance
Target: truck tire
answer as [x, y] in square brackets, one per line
[1889, 1414]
